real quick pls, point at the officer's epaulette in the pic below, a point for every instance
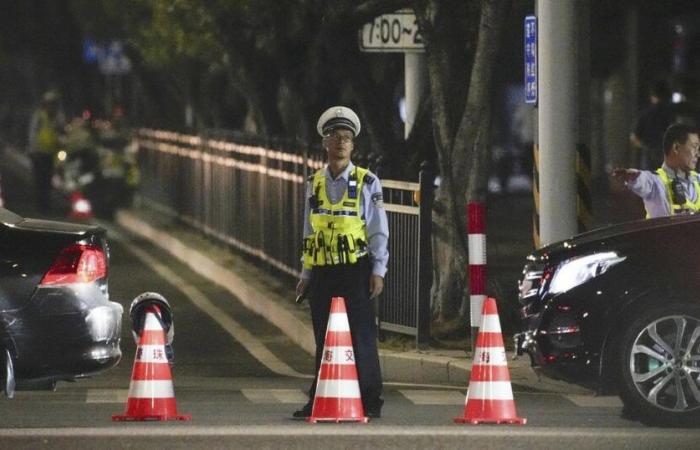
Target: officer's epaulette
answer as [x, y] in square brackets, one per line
[369, 179]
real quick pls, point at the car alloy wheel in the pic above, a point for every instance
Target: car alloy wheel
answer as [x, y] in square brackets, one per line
[661, 364]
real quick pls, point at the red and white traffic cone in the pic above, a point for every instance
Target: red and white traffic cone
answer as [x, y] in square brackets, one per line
[80, 206]
[151, 394]
[490, 396]
[338, 396]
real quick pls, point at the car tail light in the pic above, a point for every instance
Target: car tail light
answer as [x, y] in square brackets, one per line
[77, 263]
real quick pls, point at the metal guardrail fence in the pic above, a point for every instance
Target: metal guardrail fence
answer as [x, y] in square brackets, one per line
[397, 310]
[251, 197]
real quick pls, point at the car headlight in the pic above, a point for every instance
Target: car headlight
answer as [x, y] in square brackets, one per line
[578, 270]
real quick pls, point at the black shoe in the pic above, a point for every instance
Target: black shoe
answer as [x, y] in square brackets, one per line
[373, 410]
[303, 413]
[373, 413]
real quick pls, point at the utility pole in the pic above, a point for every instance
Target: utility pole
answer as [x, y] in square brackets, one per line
[559, 116]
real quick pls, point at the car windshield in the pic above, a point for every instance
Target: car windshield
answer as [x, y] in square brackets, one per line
[8, 217]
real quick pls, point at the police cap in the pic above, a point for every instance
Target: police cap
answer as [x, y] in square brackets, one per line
[338, 117]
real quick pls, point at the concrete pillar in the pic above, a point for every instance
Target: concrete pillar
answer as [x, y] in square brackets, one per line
[557, 118]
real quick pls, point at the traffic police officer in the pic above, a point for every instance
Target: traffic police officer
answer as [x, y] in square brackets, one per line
[45, 132]
[674, 188]
[345, 251]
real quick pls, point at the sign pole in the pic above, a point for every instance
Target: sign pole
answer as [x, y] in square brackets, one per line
[414, 80]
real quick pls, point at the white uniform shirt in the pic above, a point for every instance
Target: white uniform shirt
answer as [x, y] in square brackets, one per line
[371, 208]
[651, 189]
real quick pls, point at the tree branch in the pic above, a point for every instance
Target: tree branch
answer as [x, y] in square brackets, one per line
[372, 8]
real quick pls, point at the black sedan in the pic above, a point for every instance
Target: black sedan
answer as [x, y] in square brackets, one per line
[618, 309]
[56, 320]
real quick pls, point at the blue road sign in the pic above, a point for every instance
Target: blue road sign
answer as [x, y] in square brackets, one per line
[531, 59]
[90, 51]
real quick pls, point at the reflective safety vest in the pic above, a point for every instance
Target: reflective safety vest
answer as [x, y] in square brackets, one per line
[339, 235]
[47, 134]
[675, 207]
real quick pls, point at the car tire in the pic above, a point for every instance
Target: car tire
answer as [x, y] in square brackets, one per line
[658, 365]
[8, 373]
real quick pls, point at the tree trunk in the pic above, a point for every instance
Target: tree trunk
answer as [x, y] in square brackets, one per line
[462, 144]
[449, 278]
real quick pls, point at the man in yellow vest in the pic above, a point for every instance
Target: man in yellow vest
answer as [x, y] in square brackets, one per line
[345, 251]
[45, 133]
[674, 188]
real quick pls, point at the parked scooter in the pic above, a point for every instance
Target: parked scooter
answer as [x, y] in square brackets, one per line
[96, 170]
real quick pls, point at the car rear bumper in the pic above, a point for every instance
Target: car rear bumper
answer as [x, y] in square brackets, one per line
[59, 339]
[99, 346]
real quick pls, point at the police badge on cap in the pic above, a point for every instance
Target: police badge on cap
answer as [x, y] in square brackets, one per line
[338, 117]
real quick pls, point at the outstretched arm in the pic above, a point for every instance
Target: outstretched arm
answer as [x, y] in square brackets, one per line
[641, 182]
[625, 175]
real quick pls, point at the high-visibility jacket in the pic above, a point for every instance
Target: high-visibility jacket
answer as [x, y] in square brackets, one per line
[688, 205]
[339, 235]
[47, 134]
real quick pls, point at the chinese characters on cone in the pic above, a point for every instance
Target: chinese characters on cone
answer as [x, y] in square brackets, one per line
[151, 394]
[337, 389]
[490, 396]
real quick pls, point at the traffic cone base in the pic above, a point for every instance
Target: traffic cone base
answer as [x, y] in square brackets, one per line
[166, 406]
[337, 396]
[490, 411]
[338, 410]
[151, 393]
[490, 396]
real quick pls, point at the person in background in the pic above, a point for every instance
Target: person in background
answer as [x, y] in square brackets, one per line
[674, 188]
[653, 121]
[45, 133]
[345, 251]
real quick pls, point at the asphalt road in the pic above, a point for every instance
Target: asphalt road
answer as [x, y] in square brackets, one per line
[240, 379]
[236, 396]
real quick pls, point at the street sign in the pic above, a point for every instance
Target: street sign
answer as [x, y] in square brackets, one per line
[531, 60]
[90, 51]
[397, 32]
[113, 60]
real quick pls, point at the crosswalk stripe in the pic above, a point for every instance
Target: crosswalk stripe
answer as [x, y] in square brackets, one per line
[590, 401]
[106, 395]
[275, 395]
[432, 397]
[298, 396]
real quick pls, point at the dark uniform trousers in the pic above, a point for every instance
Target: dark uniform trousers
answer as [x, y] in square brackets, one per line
[350, 281]
[43, 171]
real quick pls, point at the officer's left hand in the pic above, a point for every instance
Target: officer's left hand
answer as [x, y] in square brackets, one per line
[376, 286]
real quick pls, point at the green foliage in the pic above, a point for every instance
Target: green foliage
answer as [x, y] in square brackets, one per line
[162, 31]
[178, 29]
[283, 60]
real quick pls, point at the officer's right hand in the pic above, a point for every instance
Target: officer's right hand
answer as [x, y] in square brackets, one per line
[625, 174]
[302, 285]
